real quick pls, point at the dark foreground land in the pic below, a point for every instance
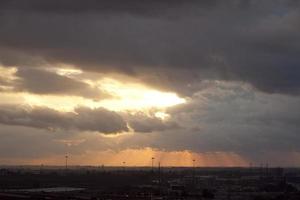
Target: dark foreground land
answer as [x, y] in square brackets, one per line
[146, 183]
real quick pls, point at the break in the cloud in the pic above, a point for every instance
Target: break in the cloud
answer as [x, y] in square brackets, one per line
[169, 44]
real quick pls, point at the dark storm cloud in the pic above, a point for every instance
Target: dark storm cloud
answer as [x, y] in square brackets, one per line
[139, 7]
[82, 119]
[40, 81]
[100, 120]
[231, 118]
[139, 122]
[234, 118]
[85, 119]
[169, 44]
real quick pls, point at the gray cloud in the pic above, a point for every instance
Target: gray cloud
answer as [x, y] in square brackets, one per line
[139, 7]
[222, 117]
[84, 119]
[26, 143]
[44, 82]
[231, 117]
[169, 44]
[142, 123]
[100, 119]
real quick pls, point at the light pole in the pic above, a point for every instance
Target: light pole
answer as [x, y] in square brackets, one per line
[124, 165]
[66, 161]
[41, 168]
[152, 163]
[159, 177]
[194, 171]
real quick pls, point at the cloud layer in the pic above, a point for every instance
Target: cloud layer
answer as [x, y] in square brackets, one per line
[235, 62]
[81, 119]
[229, 118]
[169, 44]
[232, 118]
[84, 119]
[42, 82]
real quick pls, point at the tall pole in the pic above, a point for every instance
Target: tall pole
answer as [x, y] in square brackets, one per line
[41, 168]
[159, 177]
[152, 163]
[194, 171]
[66, 161]
[124, 165]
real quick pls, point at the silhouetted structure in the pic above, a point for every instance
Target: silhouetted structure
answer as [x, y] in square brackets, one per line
[141, 183]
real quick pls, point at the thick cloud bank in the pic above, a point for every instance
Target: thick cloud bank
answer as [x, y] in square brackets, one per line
[169, 44]
[43, 82]
[83, 119]
[234, 118]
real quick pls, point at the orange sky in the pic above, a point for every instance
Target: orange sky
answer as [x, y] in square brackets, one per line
[142, 157]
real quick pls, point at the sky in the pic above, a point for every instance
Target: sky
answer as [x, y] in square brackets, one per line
[107, 82]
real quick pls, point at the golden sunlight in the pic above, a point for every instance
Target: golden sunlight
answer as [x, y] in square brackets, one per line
[8, 74]
[132, 96]
[142, 157]
[125, 97]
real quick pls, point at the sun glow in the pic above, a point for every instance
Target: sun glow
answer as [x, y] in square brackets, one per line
[136, 96]
[124, 97]
[7, 74]
[142, 157]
